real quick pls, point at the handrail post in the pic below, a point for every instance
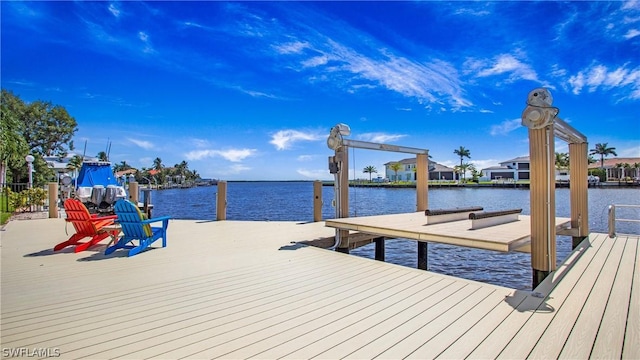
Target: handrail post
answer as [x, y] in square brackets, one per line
[612, 221]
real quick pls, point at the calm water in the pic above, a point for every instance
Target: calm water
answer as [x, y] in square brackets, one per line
[293, 201]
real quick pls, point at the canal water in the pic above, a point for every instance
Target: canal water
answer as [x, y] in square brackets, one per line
[293, 201]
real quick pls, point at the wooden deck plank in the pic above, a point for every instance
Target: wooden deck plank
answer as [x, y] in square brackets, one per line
[169, 300]
[313, 343]
[319, 332]
[436, 344]
[550, 330]
[502, 336]
[466, 343]
[343, 305]
[631, 348]
[375, 340]
[172, 328]
[503, 237]
[610, 339]
[429, 328]
[580, 341]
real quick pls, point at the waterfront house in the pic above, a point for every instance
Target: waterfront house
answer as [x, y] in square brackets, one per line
[514, 169]
[407, 171]
[617, 169]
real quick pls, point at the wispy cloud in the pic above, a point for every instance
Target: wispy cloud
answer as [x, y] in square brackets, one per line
[233, 155]
[505, 127]
[304, 158]
[147, 48]
[294, 47]
[235, 169]
[504, 64]
[284, 139]
[142, 143]
[600, 77]
[114, 10]
[379, 137]
[315, 174]
[631, 34]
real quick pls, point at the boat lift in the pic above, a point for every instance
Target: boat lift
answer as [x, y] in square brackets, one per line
[541, 117]
[339, 164]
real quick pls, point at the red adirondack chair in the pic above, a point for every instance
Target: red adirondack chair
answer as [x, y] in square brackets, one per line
[86, 225]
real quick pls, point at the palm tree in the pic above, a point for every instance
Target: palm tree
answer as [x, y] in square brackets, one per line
[463, 153]
[102, 156]
[562, 160]
[620, 166]
[636, 167]
[370, 169]
[462, 169]
[603, 150]
[396, 167]
[157, 164]
[74, 164]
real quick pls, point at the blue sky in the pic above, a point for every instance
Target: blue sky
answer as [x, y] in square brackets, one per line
[250, 90]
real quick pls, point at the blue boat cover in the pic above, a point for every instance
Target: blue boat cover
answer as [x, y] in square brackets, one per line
[96, 173]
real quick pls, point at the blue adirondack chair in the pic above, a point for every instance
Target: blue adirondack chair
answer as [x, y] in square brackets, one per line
[135, 228]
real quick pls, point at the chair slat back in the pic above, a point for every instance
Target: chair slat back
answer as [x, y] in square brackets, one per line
[130, 219]
[79, 216]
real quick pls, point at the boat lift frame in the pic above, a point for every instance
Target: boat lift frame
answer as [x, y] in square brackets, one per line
[339, 164]
[541, 118]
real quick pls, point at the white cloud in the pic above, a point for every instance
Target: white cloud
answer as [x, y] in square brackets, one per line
[284, 139]
[114, 10]
[631, 34]
[305, 157]
[295, 47]
[599, 77]
[315, 174]
[505, 64]
[483, 164]
[380, 137]
[233, 155]
[200, 143]
[315, 61]
[141, 143]
[235, 169]
[505, 127]
[148, 49]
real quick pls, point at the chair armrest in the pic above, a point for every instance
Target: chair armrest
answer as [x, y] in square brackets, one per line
[109, 217]
[161, 218]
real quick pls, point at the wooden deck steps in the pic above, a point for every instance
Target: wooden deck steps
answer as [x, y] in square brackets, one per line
[235, 289]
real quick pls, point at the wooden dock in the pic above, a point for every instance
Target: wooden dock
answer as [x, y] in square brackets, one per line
[239, 289]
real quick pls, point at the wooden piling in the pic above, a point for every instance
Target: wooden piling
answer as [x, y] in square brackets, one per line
[422, 182]
[542, 190]
[578, 188]
[53, 200]
[134, 196]
[342, 154]
[146, 201]
[422, 201]
[379, 252]
[221, 201]
[317, 201]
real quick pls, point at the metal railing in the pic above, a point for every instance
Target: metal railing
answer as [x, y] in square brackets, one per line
[612, 218]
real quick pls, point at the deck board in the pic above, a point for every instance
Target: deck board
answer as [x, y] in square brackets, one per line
[614, 321]
[631, 347]
[504, 237]
[252, 290]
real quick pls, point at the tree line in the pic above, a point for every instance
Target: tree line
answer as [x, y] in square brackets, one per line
[561, 162]
[40, 129]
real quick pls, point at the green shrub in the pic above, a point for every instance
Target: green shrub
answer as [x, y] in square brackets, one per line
[27, 198]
